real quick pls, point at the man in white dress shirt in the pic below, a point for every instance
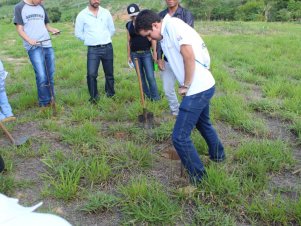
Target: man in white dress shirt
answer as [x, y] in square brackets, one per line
[94, 25]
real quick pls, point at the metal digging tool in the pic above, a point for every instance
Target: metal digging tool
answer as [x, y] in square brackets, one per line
[147, 118]
[52, 101]
[17, 142]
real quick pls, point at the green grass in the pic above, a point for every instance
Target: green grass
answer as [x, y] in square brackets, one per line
[7, 184]
[206, 215]
[275, 155]
[64, 179]
[85, 133]
[98, 169]
[258, 159]
[220, 187]
[275, 210]
[99, 160]
[146, 202]
[234, 110]
[99, 202]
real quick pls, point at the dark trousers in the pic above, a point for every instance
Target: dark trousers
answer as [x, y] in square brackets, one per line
[103, 53]
[1, 164]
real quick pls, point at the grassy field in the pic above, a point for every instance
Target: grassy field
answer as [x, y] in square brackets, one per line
[70, 8]
[94, 165]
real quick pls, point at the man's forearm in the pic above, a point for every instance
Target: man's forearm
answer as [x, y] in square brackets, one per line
[189, 64]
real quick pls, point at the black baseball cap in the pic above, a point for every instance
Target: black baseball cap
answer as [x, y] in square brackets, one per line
[133, 10]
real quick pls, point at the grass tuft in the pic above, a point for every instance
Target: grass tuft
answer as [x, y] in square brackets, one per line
[99, 202]
[146, 202]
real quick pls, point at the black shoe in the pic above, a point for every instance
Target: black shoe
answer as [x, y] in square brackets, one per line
[218, 159]
[94, 100]
[2, 166]
[110, 95]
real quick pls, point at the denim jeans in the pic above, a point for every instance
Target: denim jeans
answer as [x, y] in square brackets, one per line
[41, 57]
[194, 111]
[169, 81]
[105, 55]
[5, 108]
[146, 66]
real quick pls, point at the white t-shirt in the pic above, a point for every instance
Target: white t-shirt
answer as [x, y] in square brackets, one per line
[175, 33]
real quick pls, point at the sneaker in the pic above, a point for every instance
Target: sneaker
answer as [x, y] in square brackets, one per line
[175, 113]
[9, 119]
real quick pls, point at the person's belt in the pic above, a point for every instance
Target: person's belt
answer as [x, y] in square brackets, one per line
[141, 51]
[102, 45]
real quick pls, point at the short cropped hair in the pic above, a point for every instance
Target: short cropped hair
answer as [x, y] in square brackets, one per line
[145, 19]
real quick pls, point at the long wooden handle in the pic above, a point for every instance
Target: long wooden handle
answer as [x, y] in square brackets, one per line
[7, 133]
[140, 82]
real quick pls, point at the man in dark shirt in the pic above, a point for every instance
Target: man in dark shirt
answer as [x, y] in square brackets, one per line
[174, 9]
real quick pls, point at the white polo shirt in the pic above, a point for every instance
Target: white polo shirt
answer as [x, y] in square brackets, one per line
[175, 33]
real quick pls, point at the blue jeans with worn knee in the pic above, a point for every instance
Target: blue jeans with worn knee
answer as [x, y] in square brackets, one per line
[43, 62]
[146, 66]
[194, 112]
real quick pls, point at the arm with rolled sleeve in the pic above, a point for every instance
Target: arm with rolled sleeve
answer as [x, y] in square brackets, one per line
[79, 28]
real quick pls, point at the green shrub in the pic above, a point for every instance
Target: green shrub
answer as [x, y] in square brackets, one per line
[251, 11]
[54, 14]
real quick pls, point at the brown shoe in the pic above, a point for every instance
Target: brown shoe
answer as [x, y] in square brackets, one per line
[45, 108]
[9, 119]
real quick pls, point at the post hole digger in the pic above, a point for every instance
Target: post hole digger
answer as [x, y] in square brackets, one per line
[18, 141]
[146, 118]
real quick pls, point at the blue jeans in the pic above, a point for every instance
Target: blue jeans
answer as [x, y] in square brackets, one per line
[194, 111]
[43, 62]
[103, 53]
[5, 108]
[146, 66]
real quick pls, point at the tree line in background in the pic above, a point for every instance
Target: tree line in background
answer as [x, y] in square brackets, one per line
[246, 10]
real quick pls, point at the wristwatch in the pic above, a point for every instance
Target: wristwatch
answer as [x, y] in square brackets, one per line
[186, 86]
